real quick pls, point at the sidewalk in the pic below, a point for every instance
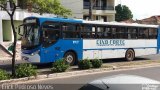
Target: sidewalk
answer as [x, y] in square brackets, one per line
[4, 56]
[8, 61]
[72, 73]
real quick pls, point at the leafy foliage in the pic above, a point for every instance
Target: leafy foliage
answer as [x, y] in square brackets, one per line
[4, 75]
[84, 64]
[2, 2]
[60, 66]
[25, 70]
[123, 13]
[97, 63]
[49, 6]
[43, 6]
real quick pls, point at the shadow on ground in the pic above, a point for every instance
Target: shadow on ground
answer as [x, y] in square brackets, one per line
[46, 66]
[123, 60]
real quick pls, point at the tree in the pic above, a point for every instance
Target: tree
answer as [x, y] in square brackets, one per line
[47, 6]
[123, 13]
[39, 6]
[91, 4]
[11, 14]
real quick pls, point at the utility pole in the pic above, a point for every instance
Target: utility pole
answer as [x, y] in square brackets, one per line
[90, 9]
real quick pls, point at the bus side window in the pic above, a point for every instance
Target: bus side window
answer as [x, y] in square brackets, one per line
[86, 31]
[152, 33]
[70, 31]
[100, 31]
[51, 33]
[131, 33]
[114, 33]
[108, 33]
[78, 30]
[143, 33]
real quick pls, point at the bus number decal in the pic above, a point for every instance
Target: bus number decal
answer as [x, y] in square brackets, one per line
[75, 42]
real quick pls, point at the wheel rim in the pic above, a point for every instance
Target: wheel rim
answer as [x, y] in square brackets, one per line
[69, 59]
[130, 55]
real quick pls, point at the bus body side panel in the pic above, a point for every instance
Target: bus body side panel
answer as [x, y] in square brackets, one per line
[27, 55]
[116, 48]
[57, 51]
[158, 41]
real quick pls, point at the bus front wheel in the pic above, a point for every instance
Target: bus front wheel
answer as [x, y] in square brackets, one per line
[130, 55]
[70, 58]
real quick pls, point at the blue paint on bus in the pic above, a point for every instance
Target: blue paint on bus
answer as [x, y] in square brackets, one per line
[58, 50]
[158, 41]
[42, 20]
[30, 51]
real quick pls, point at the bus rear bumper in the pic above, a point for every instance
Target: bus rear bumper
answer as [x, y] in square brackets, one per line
[31, 58]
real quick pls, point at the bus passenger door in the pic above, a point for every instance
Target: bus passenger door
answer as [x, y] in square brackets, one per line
[51, 35]
[46, 55]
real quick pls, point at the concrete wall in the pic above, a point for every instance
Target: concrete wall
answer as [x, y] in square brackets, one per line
[76, 6]
[17, 23]
[7, 30]
[110, 2]
[110, 18]
[7, 33]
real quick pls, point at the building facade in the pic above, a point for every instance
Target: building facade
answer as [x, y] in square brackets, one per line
[103, 10]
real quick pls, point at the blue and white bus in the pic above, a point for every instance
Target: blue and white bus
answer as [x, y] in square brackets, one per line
[46, 40]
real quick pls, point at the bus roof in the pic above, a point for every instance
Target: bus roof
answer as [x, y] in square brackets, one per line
[121, 24]
[43, 19]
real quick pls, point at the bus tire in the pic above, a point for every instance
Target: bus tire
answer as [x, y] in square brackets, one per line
[70, 58]
[130, 55]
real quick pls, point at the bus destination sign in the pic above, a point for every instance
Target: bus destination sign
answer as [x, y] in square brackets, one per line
[31, 21]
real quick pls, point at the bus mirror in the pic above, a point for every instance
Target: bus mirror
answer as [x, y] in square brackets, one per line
[20, 30]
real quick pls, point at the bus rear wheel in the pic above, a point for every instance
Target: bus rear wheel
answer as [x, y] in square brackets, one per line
[130, 55]
[70, 58]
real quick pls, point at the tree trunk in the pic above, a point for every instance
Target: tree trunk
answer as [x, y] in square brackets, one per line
[14, 45]
[11, 14]
[90, 10]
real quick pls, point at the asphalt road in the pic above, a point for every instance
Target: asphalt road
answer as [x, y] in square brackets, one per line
[74, 83]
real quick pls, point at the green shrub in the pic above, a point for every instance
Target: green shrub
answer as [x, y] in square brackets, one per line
[84, 64]
[60, 66]
[4, 75]
[25, 70]
[96, 63]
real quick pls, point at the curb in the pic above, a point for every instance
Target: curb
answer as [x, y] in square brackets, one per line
[78, 73]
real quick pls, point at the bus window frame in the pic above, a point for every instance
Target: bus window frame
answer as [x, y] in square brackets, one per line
[90, 32]
[75, 25]
[156, 33]
[41, 36]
